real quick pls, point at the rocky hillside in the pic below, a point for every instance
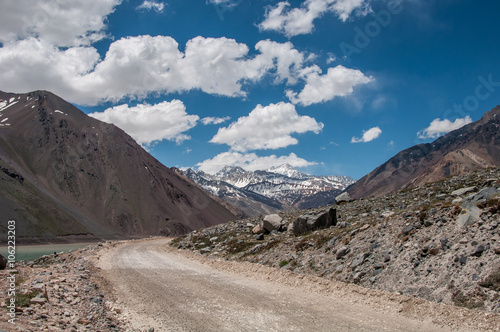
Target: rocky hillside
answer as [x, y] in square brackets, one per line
[268, 191]
[440, 241]
[474, 146]
[64, 173]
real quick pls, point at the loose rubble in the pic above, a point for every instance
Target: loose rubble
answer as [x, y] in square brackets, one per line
[440, 242]
[58, 292]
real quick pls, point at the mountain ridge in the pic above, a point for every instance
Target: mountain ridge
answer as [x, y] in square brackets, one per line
[94, 173]
[268, 191]
[474, 146]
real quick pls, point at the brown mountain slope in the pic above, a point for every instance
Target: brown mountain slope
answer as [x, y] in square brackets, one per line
[474, 146]
[91, 172]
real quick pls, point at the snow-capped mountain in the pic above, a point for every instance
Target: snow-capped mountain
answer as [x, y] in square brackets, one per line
[277, 188]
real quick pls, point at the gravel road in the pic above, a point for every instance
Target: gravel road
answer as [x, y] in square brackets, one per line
[157, 287]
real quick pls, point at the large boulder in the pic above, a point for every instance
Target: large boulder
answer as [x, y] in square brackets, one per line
[272, 222]
[343, 198]
[470, 212]
[311, 222]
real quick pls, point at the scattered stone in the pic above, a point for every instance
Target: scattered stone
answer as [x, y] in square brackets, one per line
[205, 250]
[309, 222]
[407, 230]
[259, 237]
[343, 198]
[479, 251]
[38, 300]
[272, 222]
[258, 229]
[463, 191]
[387, 214]
[342, 252]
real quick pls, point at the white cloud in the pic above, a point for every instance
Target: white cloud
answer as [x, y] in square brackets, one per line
[331, 58]
[137, 66]
[214, 120]
[150, 123]
[297, 21]
[152, 5]
[368, 135]
[226, 3]
[61, 23]
[337, 82]
[249, 161]
[440, 127]
[345, 8]
[268, 127]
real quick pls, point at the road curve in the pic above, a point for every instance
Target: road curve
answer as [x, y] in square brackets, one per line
[162, 288]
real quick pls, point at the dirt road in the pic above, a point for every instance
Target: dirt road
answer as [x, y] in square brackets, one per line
[161, 288]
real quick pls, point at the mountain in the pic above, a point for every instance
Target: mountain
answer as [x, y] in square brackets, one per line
[472, 147]
[64, 174]
[268, 191]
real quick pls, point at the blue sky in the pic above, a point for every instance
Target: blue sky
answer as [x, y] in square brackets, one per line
[329, 86]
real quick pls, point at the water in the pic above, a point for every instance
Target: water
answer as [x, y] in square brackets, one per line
[26, 253]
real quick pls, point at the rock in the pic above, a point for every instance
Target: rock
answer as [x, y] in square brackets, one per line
[462, 260]
[272, 222]
[463, 191]
[259, 229]
[343, 198]
[470, 212]
[407, 230]
[38, 300]
[496, 250]
[213, 239]
[342, 252]
[332, 241]
[364, 228]
[205, 250]
[308, 222]
[357, 277]
[3, 262]
[479, 250]
[387, 214]
[359, 260]
[259, 237]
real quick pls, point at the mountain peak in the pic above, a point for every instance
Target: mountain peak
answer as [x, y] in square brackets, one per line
[287, 170]
[84, 176]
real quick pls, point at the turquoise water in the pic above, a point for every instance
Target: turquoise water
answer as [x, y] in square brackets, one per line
[26, 253]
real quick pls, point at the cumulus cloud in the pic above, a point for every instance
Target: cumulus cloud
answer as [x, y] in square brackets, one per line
[249, 161]
[368, 135]
[135, 67]
[151, 5]
[338, 81]
[268, 127]
[150, 123]
[297, 21]
[440, 127]
[214, 120]
[61, 23]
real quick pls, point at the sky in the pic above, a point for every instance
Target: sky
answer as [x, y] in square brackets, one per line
[331, 87]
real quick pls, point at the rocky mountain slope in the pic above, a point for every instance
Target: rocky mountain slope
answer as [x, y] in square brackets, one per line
[440, 241]
[64, 173]
[268, 191]
[474, 146]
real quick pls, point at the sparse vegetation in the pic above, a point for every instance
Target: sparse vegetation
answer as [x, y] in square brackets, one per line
[283, 263]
